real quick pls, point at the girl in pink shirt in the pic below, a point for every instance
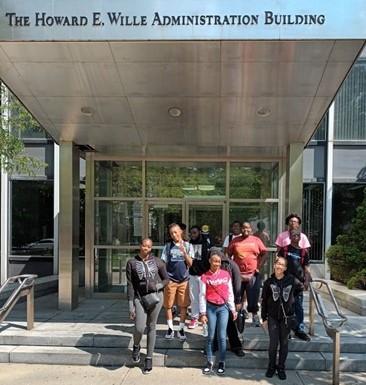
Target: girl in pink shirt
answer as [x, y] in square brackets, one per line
[216, 300]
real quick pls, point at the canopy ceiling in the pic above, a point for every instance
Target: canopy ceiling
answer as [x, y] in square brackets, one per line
[235, 97]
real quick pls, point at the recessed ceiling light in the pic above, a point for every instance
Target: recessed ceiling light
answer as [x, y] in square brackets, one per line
[175, 112]
[87, 111]
[263, 112]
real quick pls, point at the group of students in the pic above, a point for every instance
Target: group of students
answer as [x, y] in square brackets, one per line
[217, 284]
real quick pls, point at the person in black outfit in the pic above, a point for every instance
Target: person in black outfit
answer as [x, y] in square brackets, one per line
[232, 332]
[278, 298]
[145, 274]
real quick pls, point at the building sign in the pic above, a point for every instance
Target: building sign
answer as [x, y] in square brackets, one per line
[181, 19]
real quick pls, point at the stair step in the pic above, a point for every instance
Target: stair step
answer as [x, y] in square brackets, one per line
[66, 355]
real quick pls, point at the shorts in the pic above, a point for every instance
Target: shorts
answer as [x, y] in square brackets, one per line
[176, 293]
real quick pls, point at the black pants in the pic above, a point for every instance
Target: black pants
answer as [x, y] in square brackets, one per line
[278, 333]
[232, 334]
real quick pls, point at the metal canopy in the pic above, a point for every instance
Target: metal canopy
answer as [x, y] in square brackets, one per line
[236, 97]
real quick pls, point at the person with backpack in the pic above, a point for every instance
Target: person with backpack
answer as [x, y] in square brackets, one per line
[216, 301]
[297, 265]
[145, 274]
[277, 309]
[178, 256]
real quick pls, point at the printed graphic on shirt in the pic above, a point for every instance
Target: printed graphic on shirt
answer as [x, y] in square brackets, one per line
[276, 292]
[197, 251]
[151, 269]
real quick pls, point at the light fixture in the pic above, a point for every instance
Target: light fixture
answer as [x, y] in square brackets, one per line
[206, 187]
[189, 188]
[175, 112]
[263, 112]
[87, 111]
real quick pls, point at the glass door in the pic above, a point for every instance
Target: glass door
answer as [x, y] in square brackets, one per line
[210, 217]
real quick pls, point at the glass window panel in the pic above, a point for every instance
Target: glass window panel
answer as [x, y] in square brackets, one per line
[118, 179]
[253, 180]
[349, 164]
[159, 218]
[110, 268]
[255, 213]
[118, 223]
[186, 179]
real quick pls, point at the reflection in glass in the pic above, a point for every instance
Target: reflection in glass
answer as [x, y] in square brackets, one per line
[264, 214]
[118, 223]
[253, 180]
[209, 217]
[159, 218]
[110, 268]
[185, 179]
[122, 179]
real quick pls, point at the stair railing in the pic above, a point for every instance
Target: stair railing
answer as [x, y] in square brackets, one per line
[24, 287]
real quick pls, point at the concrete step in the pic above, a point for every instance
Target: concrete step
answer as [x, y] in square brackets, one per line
[252, 342]
[171, 358]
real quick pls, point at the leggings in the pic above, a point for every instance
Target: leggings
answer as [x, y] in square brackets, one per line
[146, 319]
[278, 333]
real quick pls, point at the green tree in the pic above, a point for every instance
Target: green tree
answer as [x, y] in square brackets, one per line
[14, 119]
[347, 258]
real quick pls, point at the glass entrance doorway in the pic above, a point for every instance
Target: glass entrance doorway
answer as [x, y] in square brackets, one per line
[209, 217]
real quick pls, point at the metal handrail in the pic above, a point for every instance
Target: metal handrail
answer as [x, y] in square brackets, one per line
[332, 324]
[25, 288]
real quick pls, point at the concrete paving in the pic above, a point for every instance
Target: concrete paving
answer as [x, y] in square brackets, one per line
[23, 374]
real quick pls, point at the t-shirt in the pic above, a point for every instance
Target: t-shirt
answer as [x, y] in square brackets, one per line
[246, 252]
[227, 239]
[175, 262]
[283, 240]
[216, 288]
[296, 260]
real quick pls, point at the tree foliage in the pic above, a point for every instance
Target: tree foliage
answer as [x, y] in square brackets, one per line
[347, 258]
[14, 119]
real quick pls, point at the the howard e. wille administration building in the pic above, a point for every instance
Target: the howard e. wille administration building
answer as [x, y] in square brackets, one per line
[194, 112]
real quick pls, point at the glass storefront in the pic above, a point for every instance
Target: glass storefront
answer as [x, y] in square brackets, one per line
[136, 199]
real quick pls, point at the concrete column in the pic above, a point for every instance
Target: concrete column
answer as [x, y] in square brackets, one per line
[56, 206]
[69, 221]
[4, 226]
[294, 177]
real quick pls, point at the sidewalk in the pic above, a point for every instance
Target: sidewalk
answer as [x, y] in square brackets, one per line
[22, 374]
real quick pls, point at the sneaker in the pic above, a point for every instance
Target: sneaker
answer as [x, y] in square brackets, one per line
[256, 321]
[136, 354]
[193, 324]
[281, 374]
[148, 366]
[181, 335]
[204, 330]
[246, 314]
[221, 369]
[208, 368]
[270, 372]
[239, 352]
[302, 335]
[169, 334]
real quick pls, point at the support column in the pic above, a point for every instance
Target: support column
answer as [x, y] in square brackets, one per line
[295, 177]
[4, 226]
[329, 189]
[69, 221]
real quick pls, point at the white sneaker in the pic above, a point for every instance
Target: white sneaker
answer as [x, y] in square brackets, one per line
[169, 334]
[181, 335]
[204, 330]
[256, 321]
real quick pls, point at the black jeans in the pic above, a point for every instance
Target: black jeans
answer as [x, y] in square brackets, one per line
[232, 334]
[252, 289]
[278, 333]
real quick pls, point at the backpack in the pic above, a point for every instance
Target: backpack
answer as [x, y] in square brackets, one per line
[303, 253]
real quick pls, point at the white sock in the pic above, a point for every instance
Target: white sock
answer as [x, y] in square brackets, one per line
[170, 324]
[181, 325]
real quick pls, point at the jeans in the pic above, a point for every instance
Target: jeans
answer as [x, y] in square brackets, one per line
[278, 333]
[194, 293]
[252, 289]
[232, 335]
[218, 317]
[299, 311]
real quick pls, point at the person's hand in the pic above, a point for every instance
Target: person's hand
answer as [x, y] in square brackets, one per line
[132, 315]
[182, 248]
[238, 306]
[235, 315]
[203, 319]
[265, 325]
